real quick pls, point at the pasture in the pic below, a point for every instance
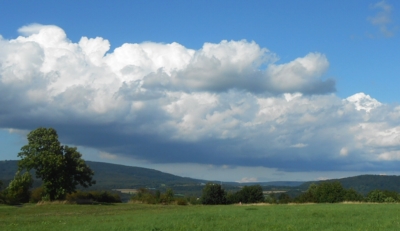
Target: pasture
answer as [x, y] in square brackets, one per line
[225, 217]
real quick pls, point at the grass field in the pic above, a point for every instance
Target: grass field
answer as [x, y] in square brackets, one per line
[172, 217]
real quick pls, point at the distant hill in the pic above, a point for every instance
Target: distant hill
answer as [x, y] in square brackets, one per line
[270, 183]
[7, 170]
[113, 176]
[364, 183]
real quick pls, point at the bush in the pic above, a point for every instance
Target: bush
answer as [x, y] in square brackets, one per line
[329, 192]
[146, 196]
[105, 197]
[93, 196]
[376, 196]
[390, 200]
[181, 201]
[284, 198]
[18, 190]
[193, 200]
[168, 197]
[250, 194]
[353, 195]
[213, 194]
[271, 199]
[232, 198]
[36, 195]
[80, 197]
[393, 194]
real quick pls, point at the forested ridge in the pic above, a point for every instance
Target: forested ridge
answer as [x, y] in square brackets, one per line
[113, 176]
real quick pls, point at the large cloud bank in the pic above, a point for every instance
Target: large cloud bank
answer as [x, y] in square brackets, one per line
[228, 103]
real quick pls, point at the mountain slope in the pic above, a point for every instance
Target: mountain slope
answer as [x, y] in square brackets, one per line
[364, 183]
[113, 176]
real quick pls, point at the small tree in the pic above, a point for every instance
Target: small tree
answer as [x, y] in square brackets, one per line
[376, 196]
[353, 195]
[18, 189]
[251, 194]
[168, 197]
[330, 192]
[284, 198]
[145, 196]
[60, 167]
[213, 194]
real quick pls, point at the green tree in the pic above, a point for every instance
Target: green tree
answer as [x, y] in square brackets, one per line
[330, 192]
[18, 191]
[353, 195]
[251, 194]
[145, 196]
[168, 197]
[284, 198]
[60, 167]
[309, 196]
[376, 196]
[213, 194]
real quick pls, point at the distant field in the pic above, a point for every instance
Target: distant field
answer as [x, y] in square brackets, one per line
[127, 190]
[172, 217]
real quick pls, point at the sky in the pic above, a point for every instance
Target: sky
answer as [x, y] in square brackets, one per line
[245, 91]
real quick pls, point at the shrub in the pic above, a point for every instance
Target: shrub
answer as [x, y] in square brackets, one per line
[146, 196]
[232, 198]
[36, 195]
[353, 195]
[284, 198]
[105, 197]
[181, 201]
[79, 197]
[93, 196]
[213, 194]
[168, 197]
[18, 189]
[376, 196]
[193, 200]
[328, 192]
[393, 194]
[389, 200]
[250, 194]
[271, 199]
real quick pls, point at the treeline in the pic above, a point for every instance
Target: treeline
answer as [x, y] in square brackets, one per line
[334, 192]
[212, 194]
[325, 192]
[147, 196]
[215, 194]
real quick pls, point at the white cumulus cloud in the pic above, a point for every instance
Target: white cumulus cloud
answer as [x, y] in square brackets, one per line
[228, 103]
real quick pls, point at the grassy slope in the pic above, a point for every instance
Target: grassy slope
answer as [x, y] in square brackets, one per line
[233, 217]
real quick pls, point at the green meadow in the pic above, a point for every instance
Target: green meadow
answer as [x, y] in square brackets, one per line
[223, 217]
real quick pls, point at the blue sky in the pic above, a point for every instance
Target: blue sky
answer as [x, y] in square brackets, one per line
[239, 91]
